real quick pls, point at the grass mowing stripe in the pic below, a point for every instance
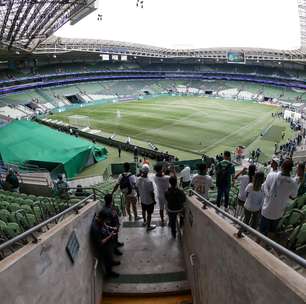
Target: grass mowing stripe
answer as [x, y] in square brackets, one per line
[191, 124]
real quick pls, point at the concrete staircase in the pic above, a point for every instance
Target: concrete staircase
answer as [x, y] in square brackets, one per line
[152, 264]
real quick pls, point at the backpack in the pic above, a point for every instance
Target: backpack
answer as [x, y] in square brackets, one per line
[222, 173]
[125, 184]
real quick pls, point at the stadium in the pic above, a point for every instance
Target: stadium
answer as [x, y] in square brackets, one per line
[135, 170]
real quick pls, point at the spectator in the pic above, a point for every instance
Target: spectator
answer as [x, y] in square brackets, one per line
[146, 192]
[185, 176]
[274, 164]
[119, 151]
[224, 172]
[80, 192]
[62, 187]
[162, 185]
[135, 154]
[202, 182]
[11, 181]
[244, 180]
[127, 184]
[254, 200]
[104, 238]
[112, 218]
[300, 171]
[278, 188]
[175, 203]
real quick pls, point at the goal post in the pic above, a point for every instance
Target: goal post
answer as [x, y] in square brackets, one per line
[79, 121]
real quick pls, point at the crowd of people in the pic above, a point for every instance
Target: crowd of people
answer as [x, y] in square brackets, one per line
[262, 197]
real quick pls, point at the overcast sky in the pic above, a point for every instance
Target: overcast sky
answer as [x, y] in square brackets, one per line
[193, 23]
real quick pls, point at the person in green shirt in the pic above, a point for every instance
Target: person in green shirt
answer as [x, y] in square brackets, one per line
[224, 173]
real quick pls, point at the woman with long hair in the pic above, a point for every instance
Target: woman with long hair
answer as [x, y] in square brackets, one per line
[254, 200]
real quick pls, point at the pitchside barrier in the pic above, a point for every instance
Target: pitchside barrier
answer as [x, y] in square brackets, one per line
[145, 152]
[194, 163]
[118, 168]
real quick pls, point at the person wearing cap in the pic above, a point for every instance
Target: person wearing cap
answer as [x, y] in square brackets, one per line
[147, 198]
[278, 188]
[104, 238]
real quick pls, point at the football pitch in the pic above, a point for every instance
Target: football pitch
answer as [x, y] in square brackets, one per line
[188, 126]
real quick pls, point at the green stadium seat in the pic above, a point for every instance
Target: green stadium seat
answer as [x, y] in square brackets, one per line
[290, 220]
[297, 238]
[4, 205]
[30, 221]
[2, 225]
[298, 203]
[4, 215]
[38, 212]
[27, 202]
[13, 207]
[12, 230]
[27, 209]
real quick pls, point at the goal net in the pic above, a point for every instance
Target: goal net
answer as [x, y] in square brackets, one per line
[79, 121]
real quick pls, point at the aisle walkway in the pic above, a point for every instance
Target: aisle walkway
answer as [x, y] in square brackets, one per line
[152, 263]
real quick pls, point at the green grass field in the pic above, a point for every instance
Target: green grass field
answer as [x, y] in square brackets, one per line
[188, 126]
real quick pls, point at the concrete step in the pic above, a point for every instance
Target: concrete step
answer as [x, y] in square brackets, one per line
[152, 263]
[175, 299]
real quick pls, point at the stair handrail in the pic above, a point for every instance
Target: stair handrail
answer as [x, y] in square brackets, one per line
[244, 227]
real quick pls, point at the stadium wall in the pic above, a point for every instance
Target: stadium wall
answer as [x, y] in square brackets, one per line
[226, 270]
[43, 273]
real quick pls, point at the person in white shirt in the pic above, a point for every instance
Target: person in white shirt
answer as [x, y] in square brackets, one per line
[185, 176]
[146, 193]
[202, 182]
[254, 200]
[278, 188]
[245, 176]
[161, 182]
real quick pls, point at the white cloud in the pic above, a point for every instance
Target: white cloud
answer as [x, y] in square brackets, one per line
[194, 23]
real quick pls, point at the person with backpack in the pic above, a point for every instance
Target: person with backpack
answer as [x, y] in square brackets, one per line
[127, 184]
[224, 172]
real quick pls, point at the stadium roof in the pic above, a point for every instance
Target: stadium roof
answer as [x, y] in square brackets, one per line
[26, 23]
[30, 25]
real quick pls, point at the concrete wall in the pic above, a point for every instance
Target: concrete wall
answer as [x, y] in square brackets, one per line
[227, 270]
[42, 273]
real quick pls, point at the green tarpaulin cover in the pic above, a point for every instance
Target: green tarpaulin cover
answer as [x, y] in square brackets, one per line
[29, 142]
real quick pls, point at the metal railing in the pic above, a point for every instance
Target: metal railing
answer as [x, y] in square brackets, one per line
[244, 227]
[31, 231]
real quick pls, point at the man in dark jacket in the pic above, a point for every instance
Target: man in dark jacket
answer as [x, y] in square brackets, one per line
[224, 173]
[175, 203]
[104, 238]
